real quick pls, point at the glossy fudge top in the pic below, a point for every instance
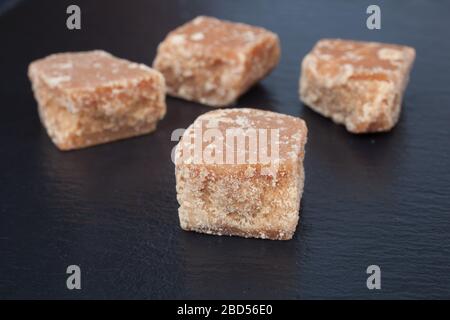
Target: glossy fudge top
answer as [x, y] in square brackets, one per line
[214, 130]
[217, 36]
[357, 60]
[88, 70]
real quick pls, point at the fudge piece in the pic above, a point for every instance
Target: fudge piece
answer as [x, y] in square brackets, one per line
[213, 61]
[240, 172]
[92, 97]
[358, 84]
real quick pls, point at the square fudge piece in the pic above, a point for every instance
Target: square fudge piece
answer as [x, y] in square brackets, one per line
[358, 84]
[240, 172]
[92, 97]
[213, 61]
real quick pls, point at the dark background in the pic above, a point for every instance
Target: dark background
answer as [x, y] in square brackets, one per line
[375, 199]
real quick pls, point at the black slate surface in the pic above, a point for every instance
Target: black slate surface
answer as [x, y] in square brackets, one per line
[377, 199]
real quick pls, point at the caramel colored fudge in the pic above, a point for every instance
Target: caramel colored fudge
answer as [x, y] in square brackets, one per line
[213, 61]
[92, 97]
[240, 172]
[358, 84]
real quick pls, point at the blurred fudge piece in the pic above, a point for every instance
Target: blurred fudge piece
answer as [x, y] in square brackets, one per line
[92, 97]
[213, 62]
[358, 84]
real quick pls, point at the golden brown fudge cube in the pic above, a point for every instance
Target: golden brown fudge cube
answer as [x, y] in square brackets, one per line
[358, 84]
[213, 62]
[92, 97]
[240, 172]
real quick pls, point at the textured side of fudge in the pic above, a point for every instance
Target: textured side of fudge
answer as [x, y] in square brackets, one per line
[242, 199]
[92, 97]
[213, 61]
[358, 84]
